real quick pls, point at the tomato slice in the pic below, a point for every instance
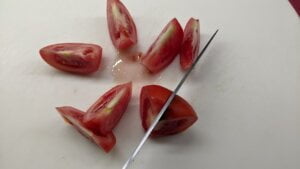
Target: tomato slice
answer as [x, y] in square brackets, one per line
[190, 44]
[122, 29]
[106, 112]
[74, 117]
[73, 57]
[178, 117]
[163, 51]
[296, 5]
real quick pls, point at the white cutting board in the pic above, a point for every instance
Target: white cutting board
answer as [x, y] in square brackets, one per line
[246, 89]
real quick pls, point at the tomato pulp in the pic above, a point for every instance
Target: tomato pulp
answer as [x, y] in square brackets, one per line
[106, 112]
[163, 51]
[77, 58]
[122, 29]
[178, 117]
[75, 118]
[190, 44]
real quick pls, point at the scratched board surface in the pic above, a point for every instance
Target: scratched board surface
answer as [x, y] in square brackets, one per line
[245, 89]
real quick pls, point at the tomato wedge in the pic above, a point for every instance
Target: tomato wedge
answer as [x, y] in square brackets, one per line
[73, 57]
[106, 112]
[163, 51]
[74, 117]
[178, 117]
[122, 29]
[190, 44]
[296, 5]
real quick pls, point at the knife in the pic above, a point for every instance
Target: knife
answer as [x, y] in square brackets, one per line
[166, 105]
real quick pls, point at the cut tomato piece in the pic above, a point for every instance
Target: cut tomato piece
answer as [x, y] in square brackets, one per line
[106, 112]
[163, 51]
[74, 117]
[178, 117]
[190, 44]
[73, 57]
[122, 29]
[296, 5]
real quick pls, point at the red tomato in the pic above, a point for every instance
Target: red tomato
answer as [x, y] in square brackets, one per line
[74, 117]
[178, 117]
[106, 112]
[73, 57]
[121, 27]
[191, 43]
[163, 51]
[296, 5]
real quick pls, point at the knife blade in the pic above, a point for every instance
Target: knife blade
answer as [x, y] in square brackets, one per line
[166, 105]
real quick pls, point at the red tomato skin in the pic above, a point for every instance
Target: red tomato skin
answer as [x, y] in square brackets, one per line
[178, 117]
[190, 44]
[159, 56]
[78, 58]
[74, 117]
[123, 37]
[296, 5]
[97, 118]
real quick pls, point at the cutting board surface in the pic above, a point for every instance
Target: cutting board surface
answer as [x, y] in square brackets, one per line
[245, 89]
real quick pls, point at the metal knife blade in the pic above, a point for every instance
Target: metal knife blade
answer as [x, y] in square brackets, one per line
[164, 108]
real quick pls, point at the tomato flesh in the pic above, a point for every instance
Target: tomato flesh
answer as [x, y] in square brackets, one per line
[122, 29]
[178, 117]
[75, 118]
[77, 58]
[190, 44]
[296, 5]
[106, 112]
[164, 49]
